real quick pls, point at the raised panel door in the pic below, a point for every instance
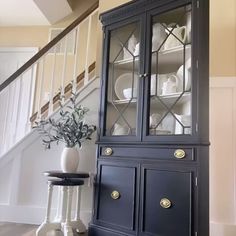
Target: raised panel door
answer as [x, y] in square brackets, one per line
[166, 202]
[117, 201]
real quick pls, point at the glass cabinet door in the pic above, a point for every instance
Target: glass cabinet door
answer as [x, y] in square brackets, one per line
[170, 81]
[122, 86]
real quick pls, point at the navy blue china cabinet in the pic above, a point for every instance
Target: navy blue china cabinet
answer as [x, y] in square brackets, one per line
[153, 145]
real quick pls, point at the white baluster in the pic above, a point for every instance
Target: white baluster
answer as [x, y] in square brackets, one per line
[86, 77]
[64, 70]
[77, 34]
[41, 83]
[52, 82]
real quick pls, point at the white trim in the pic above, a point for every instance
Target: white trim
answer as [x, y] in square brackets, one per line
[222, 82]
[228, 83]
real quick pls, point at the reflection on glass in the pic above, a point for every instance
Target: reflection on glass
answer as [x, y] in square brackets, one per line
[121, 111]
[171, 76]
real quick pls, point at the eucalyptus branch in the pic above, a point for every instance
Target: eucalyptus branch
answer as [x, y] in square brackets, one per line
[70, 128]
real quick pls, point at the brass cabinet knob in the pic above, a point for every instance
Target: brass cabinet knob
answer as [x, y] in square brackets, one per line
[108, 151]
[165, 203]
[115, 195]
[180, 154]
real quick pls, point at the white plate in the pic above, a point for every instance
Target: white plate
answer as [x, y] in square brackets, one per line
[123, 82]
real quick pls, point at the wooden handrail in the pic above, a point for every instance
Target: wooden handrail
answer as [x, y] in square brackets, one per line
[48, 46]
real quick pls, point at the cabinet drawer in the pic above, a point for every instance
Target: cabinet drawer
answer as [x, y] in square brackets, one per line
[166, 202]
[117, 195]
[173, 153]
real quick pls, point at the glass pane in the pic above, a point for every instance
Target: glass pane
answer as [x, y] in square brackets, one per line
[123, 80]
[171, 76]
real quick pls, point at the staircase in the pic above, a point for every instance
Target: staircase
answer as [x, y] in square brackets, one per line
[64, 65]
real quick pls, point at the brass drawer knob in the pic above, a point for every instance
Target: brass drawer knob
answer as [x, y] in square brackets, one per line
[108, 151]
[165, 203]
[115, 195]
[179, 154]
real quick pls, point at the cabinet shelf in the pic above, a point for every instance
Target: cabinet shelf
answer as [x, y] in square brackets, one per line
[123, 101]
[172, 56]
[169, 100]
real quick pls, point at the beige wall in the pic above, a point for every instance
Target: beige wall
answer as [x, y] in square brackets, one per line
[33, 36]
[38, 36]
[105, 5]
[222, 38]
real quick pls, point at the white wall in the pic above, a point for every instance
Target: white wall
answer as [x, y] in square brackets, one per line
[222, 156]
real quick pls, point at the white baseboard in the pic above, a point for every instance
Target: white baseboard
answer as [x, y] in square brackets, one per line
[221, 229]
[32, 214]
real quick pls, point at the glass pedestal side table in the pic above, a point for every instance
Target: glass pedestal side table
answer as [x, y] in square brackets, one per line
[67, 182]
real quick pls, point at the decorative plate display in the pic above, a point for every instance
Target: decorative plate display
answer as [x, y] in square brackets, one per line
[123, 82]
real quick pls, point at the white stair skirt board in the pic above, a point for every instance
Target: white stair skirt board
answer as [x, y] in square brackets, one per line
[23, 187]
[223, 156]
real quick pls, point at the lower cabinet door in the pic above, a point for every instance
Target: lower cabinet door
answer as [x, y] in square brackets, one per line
[117, 196]
[166, 202]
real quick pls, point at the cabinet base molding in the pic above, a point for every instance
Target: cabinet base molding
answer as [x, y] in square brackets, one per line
[94, 230]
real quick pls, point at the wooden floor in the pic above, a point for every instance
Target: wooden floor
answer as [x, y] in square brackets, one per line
[13, 229]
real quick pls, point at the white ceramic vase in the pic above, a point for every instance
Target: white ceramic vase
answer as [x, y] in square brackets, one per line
[69, 159]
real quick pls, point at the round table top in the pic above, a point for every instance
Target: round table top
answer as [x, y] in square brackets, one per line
[63, 175]
[67, 182]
